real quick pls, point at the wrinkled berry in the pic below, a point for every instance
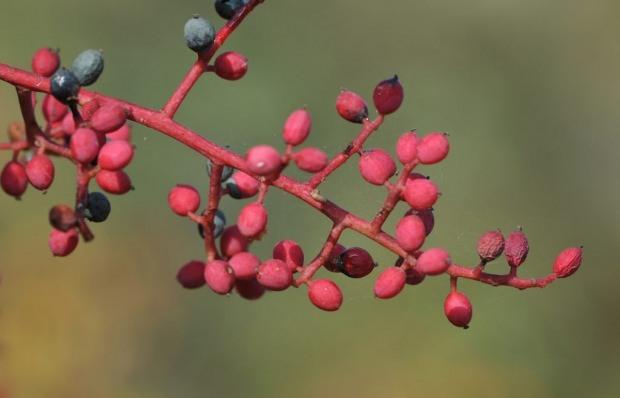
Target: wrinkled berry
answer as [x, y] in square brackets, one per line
[192, 275]
[64, 85]
[45, 62]
[97, 207]
[297, 127]
[568, 262]
[458, 309]
[325, 294]
[40, 172]
[388, 96]
[490, 245]
[88, 66]
[231, 65]
[219, 276]
[351, 106]
[516, 248]
[199, 33]
[376, 166]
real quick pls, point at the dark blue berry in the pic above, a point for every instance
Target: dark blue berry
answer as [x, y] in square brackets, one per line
[226, 172]
[219, 222]
[228, 8]
[88, 66]
[233, 189]
[64, 85]
[97, 207]
[199, 33]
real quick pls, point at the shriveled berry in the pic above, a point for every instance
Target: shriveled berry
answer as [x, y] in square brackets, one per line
[274, 275]
[332, 263]
[40, 172]
[311, 160]
[45, 62]
[434, 261]
[388, 96]
[97, 207]
[88, 66]
[13, 179]
[390, 282]
[356, 262]
[231, 65]
[297, 127]
[114, 182]
[115, 155]
[62, 243]
[427, 216]
[407, 147]
[192, 275]
[245, 265]
[433, 148]
[458, 309]
[122, 133]
[351, 106]
[62, 217]
[376, 166]
[410, 233]
[183, 199]
[421, 194]
[241, 185]
[219, 276]
[249, 289]
[53, 110]
[232, 241]
[263, 160]
[289, 252]
[84, 145]
[227, 171]
[516, 248]
[64, 85]
[490, 245]
[252, 220]
[108, 118]
[568, 262]
[228, 8]
[325, 294]
[199, 33]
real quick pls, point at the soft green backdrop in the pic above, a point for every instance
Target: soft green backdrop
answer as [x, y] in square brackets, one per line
[528, 90]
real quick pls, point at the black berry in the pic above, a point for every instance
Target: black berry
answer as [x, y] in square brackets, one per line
[64, 85]
[228, 8]
[97, 207]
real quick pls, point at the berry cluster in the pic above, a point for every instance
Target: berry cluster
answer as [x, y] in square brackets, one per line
[91, 130]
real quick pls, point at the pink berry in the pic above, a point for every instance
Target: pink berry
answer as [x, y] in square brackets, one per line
[434, 262]
[406, 147]
[289, 252]
[351, 106]
[219, 276]
[40, 172]
[13, 179]
[389, 283]
[263, 160]
[122, 133]
[376, 166]
[311, 160]
[388, 96]
[516, 248]
[192, 275]
[115, 155]
[249, 289]
[108, 118]
[421, 194]
[232, 241]
[62, 243]
[245, 265]
[114, 182]
[568, 262]
[433, 148]
[332, 264]
[410, 233]
[490, 245]
[84, 145]
[45, 62]
[458, 309]
[297, 127]
[231, 65]
[427, 216]
[68, 124]
[274, 275]
[54, 110]
[184, 199]
[325, 294]
[252, 220]
[242, 185]
[356, 262]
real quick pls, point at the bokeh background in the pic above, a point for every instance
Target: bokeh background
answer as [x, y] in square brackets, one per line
[529, 92]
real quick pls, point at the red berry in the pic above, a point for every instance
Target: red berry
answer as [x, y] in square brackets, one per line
[289, 252]
[490, 245]
[311, 160]
[516, 248]
[274, 275]
[123, 133]
[433, 148]
[297, 127]
[114, 182]
[334, 258]
[252, 220]
[410, 233]
[231, 65]
[84, 145]
[427, 216]
[40, 172]
[232, 241]
[376, 166]
[420, 193]
[183, 199]
[242, 185]
[388, 96]
[414, 277]
[108, 118]
[389, 283]
[325, 294]
[115, 155]
[249, 289]
[219, 276]
[245, 265]
[45, 62]
[351, 106]
[62, 243]
[406, 147]
[192, 275]
[13, 179]
[54, 110]
[68, 124]
[458, 309]
[356, 262]
[434, 262]
[568, 262]
[263, 160]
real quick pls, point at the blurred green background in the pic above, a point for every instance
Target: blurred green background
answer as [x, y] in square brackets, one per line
[529, 92]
